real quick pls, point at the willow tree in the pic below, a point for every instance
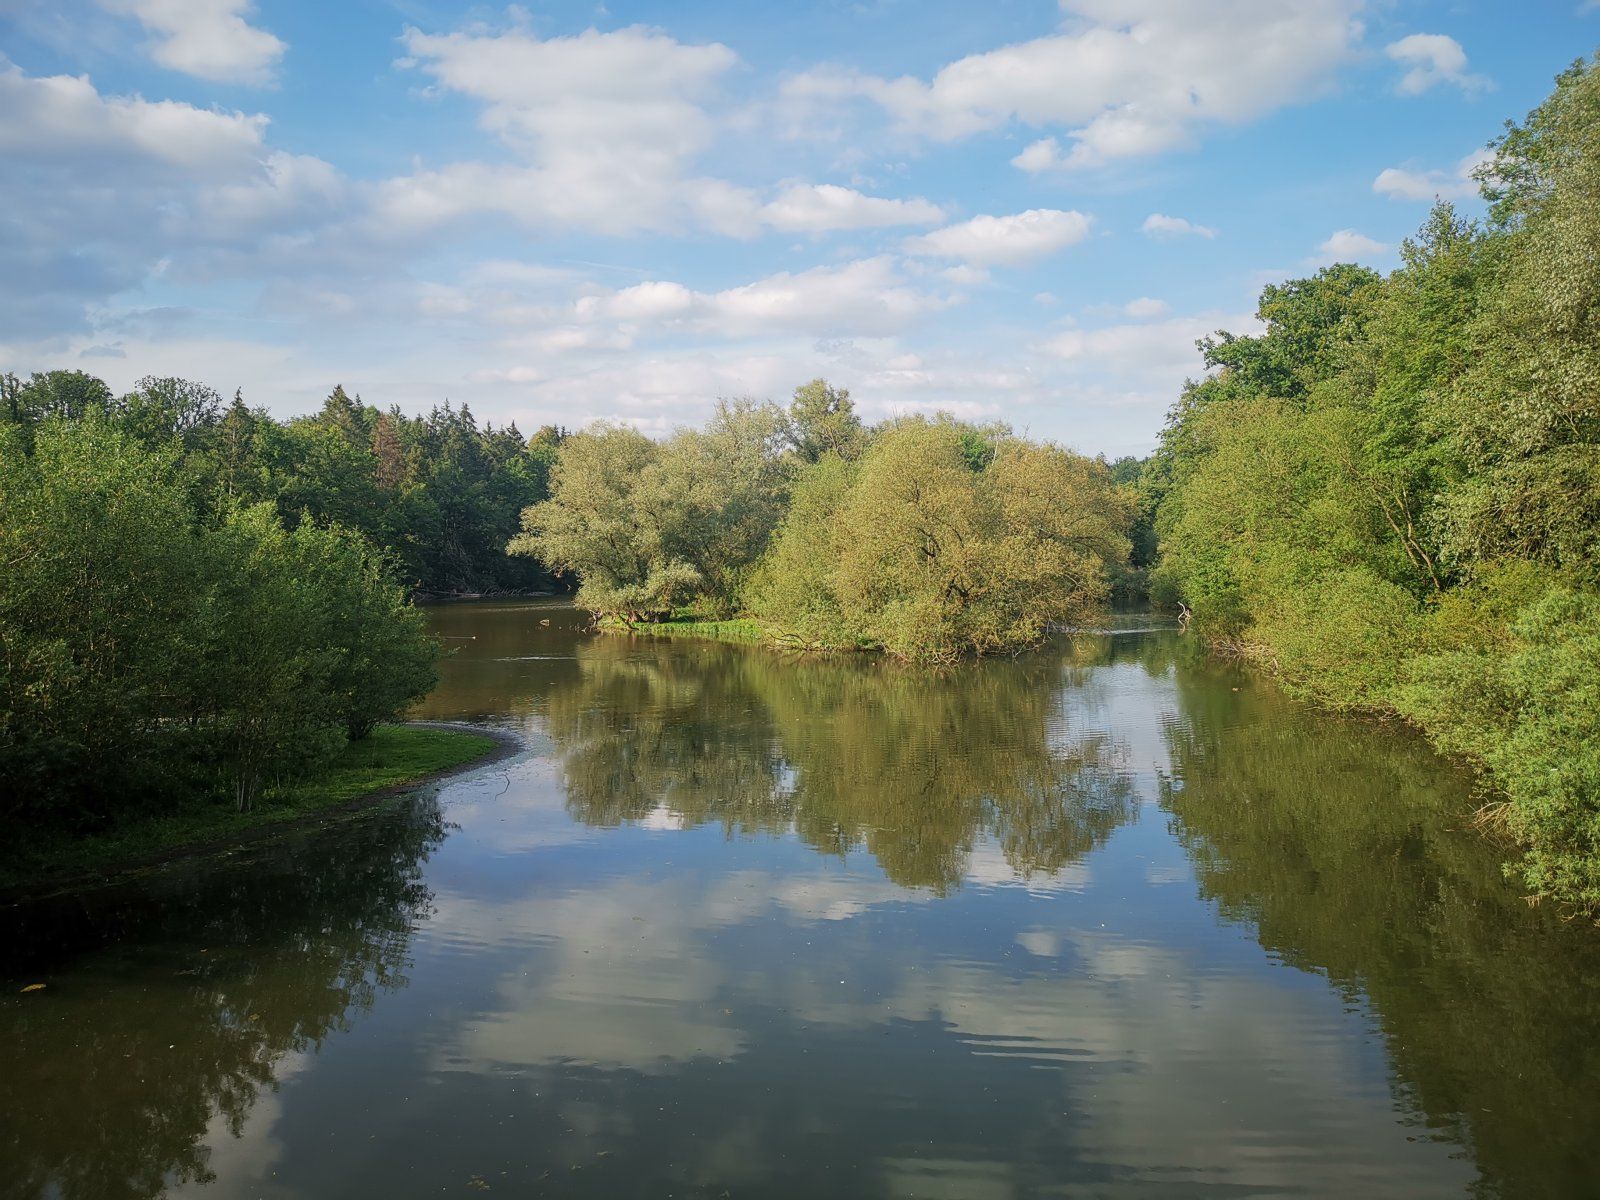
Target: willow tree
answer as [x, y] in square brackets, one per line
[946, 539]
[647, 527]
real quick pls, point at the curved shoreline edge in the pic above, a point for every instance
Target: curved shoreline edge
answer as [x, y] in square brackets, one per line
[505, 745]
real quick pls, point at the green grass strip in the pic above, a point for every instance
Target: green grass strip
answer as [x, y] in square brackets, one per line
[390, 757]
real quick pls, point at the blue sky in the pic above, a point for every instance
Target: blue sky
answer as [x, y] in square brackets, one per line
[565, 212]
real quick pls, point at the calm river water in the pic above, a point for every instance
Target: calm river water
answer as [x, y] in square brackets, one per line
[1107, 920]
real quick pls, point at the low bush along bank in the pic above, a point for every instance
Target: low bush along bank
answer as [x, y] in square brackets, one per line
[155, 655]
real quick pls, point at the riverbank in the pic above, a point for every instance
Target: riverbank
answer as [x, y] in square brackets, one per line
[392, 759]
[738, 630]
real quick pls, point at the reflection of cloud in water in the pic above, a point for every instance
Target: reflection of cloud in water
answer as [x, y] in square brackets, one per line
[613, 988]
[1167, 1064]
[620, 975]
[1161, 1058]
[256, 1152]
[662, 818]
[987, 866]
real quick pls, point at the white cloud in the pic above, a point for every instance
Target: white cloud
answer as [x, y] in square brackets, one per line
[1346, 245]
[103, 192]
[1117, 134]
[1434, 58]
[62, 119]
[1145, 307]
[1123, 78]
[865, 298]
[210, 39]
[1009, 241]
[812, 208]
[1129, 372]
[1143, 352]
[1042, 155]
[965, 275]
[607, 126]
[1159, 225]
[628, 90]
[1404, 183]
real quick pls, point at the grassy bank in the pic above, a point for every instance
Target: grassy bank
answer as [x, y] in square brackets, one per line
[740, 630]
[392, 757]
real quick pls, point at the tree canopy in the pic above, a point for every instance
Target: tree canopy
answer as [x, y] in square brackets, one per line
[925, 538]
[1391, 497]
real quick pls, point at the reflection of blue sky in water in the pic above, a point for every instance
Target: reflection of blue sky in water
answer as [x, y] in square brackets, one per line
[1118, 1041]
[706, 992]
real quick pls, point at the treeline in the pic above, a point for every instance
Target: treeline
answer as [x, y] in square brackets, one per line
[438, 492]
[1392, 496]
[927, 538]
[157, 650]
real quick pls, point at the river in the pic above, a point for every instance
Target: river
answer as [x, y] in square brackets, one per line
[1105, 920]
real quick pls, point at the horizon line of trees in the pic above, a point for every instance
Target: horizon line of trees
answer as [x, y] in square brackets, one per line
[438, 492]
[1391, 497]
[925, 538]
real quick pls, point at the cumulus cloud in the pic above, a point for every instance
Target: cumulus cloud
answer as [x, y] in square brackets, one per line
[61, 119]
[813, 208]
[859, 299]
[1346, 245]
[104, 191]
[1159, 225]
[1147, 350]
[1123, 78]
[1131, 370]
[1005, 241]
[1434, 58]
[1145, 307]
[606, 128]
[1042, 155]
[209, 39]
[606, 125]
[1115, 134]
[1458, 183]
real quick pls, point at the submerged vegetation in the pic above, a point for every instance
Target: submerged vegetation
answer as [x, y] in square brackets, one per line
[925, 538]
[1392, 496]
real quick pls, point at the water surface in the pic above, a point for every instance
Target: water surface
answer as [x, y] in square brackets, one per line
[1105, 920]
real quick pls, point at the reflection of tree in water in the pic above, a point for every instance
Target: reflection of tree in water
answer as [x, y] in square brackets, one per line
[1346, 845]
[914, 765]
[233, 972]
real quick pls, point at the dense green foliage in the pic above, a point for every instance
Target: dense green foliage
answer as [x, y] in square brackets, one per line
[943, 540]
[649, 526]
[439, 493]
[1392, 495]
[926, 538]
[152, 651]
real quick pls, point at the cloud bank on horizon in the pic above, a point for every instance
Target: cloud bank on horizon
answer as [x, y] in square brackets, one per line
[573, 212]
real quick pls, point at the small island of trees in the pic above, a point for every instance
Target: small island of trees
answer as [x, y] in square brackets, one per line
[928, 538]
